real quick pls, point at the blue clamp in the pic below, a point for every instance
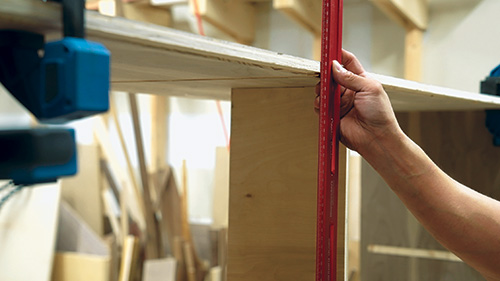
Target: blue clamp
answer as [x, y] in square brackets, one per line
[491, 86]
[31, 156]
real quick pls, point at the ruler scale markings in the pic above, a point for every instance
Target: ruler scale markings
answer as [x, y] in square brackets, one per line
[326, 237]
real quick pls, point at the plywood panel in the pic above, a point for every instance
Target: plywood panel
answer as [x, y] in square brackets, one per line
[273, 170]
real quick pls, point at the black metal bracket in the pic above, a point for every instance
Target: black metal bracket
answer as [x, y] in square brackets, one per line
[73, 17]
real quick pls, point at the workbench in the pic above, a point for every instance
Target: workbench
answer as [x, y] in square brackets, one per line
[272, 215]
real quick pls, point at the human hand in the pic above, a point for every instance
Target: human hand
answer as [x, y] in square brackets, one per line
[366, 112]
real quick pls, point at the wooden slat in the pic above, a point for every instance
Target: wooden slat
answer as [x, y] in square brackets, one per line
[415, 253]
[153, 242]
[233, 17]
[159, 60]
[306, 12]
[272, 200]
[409, 13]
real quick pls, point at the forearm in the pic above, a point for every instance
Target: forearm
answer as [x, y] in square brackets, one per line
[461, 219]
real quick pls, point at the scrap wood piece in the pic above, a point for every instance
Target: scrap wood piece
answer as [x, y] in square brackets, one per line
[80, 267]
[130, 255]
[190, 263]
[32, 210]
[153, 242]
[111, 209]
[81, 253]
[159, 130]
[130, 169]
[172, 225]
[159, 269]
[195, 268]
[110, 179]
[413, 252]
[178, 253]
[170, 208]
[135, 202]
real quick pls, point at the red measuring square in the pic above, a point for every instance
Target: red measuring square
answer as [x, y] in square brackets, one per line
[327, 209]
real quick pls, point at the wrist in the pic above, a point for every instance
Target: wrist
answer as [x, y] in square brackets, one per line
[383, 142]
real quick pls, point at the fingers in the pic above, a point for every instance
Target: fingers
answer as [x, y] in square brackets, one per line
[351, 63]
[348, 79]
[346, 102]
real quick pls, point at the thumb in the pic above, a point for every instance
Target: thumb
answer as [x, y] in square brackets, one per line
[346, 78]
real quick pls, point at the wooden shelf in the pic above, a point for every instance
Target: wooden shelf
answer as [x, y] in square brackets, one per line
[158, 60]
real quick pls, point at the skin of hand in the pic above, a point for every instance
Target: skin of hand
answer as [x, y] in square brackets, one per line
[365, 107]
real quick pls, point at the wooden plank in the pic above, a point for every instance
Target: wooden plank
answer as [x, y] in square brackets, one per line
[415, 253]
[413, 54]
[306, 12]
[153, 241]
[80, 267]
[221, 188]
[177, 63]
[273, 172]
[159, 270]
[409, 13]
[130, 254]
[134, 203]
[159, 133]
[33, 210]
[233, 17]
[131, 172]
[170, 61]
[408, 95]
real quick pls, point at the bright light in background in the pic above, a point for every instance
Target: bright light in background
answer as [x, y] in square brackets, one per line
[12, 114]
[195, 131]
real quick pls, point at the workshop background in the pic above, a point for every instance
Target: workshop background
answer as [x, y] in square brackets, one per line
[187, 143]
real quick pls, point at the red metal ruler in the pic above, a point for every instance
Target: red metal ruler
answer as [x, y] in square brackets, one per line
[326, 232]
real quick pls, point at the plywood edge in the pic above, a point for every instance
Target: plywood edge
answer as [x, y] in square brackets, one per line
[408, 95]
[173, 40]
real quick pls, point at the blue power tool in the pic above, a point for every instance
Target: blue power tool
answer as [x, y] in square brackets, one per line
[491, 86]
[58, 82]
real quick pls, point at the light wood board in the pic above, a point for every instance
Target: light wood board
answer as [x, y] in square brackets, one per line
[158, 60]
[80, 267]
[272, 198]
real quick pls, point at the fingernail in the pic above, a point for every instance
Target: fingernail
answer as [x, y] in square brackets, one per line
[338, 67]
